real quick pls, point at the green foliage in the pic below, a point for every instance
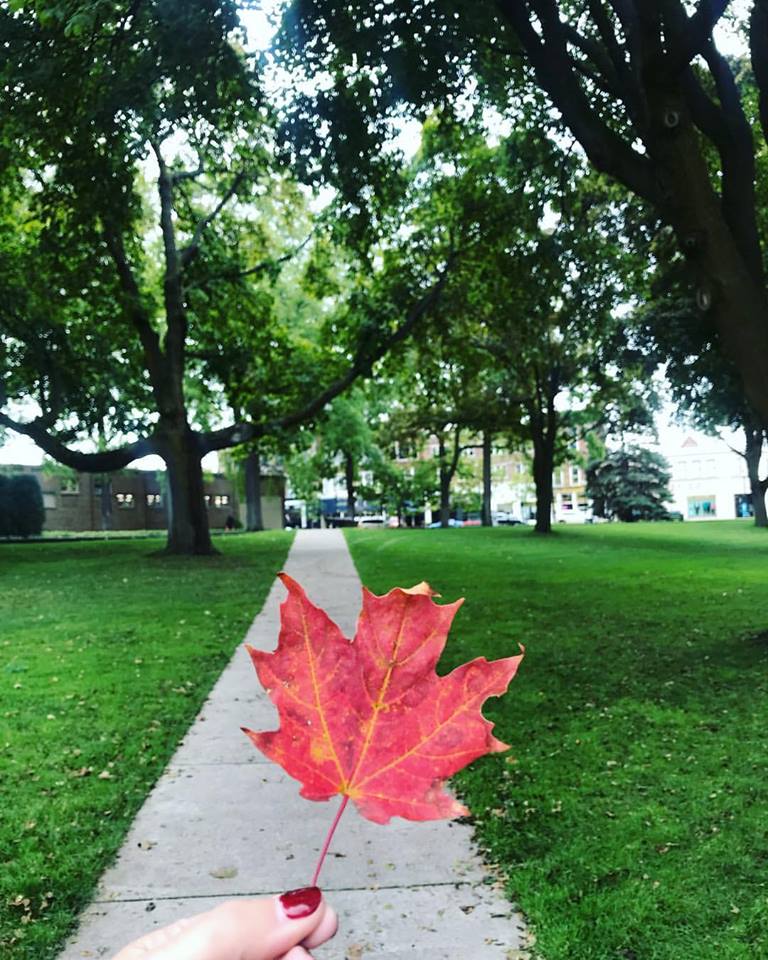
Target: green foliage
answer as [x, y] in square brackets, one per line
[630, 484]
[628, 819]
[21, 506]
[107, 656]
[402, 488]
[132, 76]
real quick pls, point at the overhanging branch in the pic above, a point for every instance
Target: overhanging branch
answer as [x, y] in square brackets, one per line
[105, 461]
[694, 32]
[555, 72]
[361, 366]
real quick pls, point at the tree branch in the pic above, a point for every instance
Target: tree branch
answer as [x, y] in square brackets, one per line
[260, 267]
[189, 252]
[627, 77]
[105, 461]
[137, 314]
[758, 48]
[175, 314]
[178, 176]
[738, 164]
[692, 33]
[555, 72]
[361, 366]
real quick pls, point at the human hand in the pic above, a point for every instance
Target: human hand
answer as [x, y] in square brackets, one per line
[273, 928]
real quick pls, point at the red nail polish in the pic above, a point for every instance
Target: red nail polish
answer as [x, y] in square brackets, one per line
[301, 903]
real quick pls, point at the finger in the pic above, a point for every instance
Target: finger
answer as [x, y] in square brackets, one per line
[263, 929]
[237, 930]
[325, 929]
[157, 940]
[297, 953]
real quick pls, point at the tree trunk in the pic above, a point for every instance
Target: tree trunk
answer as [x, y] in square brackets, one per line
[106, 502]
[349, 476]
[445, 497]
[543, 465]
[757, 486]
[543, 427]
[188, 531]
[254, 518]
[447, 471]
[487, 518]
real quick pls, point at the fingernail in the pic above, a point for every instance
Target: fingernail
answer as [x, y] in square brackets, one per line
[300, 903]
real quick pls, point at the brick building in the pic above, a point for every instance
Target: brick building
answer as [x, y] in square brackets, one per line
[131, 500]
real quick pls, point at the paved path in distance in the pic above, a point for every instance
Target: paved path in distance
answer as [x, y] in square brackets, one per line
[224, 822]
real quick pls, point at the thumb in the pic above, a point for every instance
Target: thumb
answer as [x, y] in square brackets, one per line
[243, 930]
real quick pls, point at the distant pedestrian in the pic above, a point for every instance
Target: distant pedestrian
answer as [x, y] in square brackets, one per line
[229, 523]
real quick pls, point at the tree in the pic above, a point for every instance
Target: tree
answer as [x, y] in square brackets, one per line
[629, 484]
[640, 84]
[401, 488]
[703, 382]
[104, 322]
[532, 312]
[344, 438]
[22, 513]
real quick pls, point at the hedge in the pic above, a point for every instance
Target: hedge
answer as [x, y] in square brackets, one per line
[22, 513]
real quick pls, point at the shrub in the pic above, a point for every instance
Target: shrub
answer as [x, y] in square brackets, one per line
[22, 513]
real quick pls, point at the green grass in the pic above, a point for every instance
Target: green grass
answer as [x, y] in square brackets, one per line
[106, 654]
[633, 822]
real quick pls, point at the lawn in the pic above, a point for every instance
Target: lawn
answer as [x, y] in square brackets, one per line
[106, 654]
[632, 823]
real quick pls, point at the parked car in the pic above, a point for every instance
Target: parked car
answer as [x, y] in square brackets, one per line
[375, 522]
[504, 518]
[451, 523]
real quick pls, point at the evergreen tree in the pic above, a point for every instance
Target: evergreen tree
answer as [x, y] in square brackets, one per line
[630, 484]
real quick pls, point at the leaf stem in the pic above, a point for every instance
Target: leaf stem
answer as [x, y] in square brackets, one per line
[326, 845]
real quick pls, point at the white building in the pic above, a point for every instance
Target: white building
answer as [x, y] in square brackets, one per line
[709, 479]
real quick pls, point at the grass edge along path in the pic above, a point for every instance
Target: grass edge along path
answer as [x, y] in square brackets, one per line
[107, 653]
[629, 819]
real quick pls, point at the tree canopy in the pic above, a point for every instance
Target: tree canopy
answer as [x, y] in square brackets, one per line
[642, 87]
[138, 299]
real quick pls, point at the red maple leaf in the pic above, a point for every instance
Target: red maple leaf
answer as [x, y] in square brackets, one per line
[370, 719]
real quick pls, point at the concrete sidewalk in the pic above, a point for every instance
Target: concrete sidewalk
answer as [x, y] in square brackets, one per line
[224, 822]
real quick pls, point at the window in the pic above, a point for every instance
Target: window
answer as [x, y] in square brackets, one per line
[154, 500]
[207, 499]
[701, 507]
[124, 501]
[69, 486]
[575, 475]
[566, 501]
[221, 500]
[521, 467]
[49, 501]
